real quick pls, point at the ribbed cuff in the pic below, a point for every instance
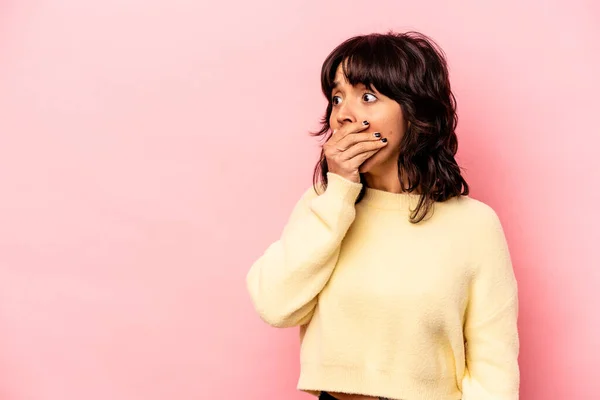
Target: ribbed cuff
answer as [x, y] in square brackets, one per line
[342, 188]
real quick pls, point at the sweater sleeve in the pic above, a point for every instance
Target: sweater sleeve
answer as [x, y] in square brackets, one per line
[490, 329]
[285, 281]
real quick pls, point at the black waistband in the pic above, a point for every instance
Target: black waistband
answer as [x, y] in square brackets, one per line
[327, 396]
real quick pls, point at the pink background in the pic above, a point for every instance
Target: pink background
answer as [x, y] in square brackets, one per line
[150, 151]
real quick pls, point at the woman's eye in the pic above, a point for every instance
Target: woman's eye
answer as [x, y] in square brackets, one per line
[366, 97]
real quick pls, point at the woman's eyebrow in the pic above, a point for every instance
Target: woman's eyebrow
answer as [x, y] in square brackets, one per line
[337, 83]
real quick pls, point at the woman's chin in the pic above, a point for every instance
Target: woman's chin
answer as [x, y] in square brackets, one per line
[363, 169]
[368, 165]
[379, 164]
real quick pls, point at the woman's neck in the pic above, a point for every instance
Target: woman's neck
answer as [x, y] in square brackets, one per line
[388, 182]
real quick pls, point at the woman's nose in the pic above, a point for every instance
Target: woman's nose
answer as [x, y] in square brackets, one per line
[345, 114]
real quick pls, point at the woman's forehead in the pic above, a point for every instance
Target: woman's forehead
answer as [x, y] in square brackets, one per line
[341, 80]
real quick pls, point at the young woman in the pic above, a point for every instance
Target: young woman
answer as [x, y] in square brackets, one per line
[401, 284]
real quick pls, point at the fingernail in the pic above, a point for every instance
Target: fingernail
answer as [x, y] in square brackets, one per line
[384, 140]
[365, 122]
[377, 134]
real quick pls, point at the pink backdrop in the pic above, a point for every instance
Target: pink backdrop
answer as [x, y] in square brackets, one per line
[150, 151]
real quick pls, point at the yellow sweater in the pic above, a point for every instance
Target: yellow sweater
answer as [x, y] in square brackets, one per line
[389, 308]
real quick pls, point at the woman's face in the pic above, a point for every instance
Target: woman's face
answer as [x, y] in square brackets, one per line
[357, 103]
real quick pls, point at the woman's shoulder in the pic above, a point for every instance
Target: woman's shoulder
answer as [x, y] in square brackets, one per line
[470, 203]
[471, 211]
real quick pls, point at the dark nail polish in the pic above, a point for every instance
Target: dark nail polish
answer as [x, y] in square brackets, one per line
[365, 122]
[384, 140]
[377, 134]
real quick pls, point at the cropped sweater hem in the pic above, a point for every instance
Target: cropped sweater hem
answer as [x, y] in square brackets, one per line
[374, 382]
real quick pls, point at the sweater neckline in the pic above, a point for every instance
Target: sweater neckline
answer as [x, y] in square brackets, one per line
[389, 200]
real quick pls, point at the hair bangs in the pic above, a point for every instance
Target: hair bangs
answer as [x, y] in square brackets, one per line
[365, 60]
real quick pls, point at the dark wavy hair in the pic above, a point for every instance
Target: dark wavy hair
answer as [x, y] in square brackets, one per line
[411, 69]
